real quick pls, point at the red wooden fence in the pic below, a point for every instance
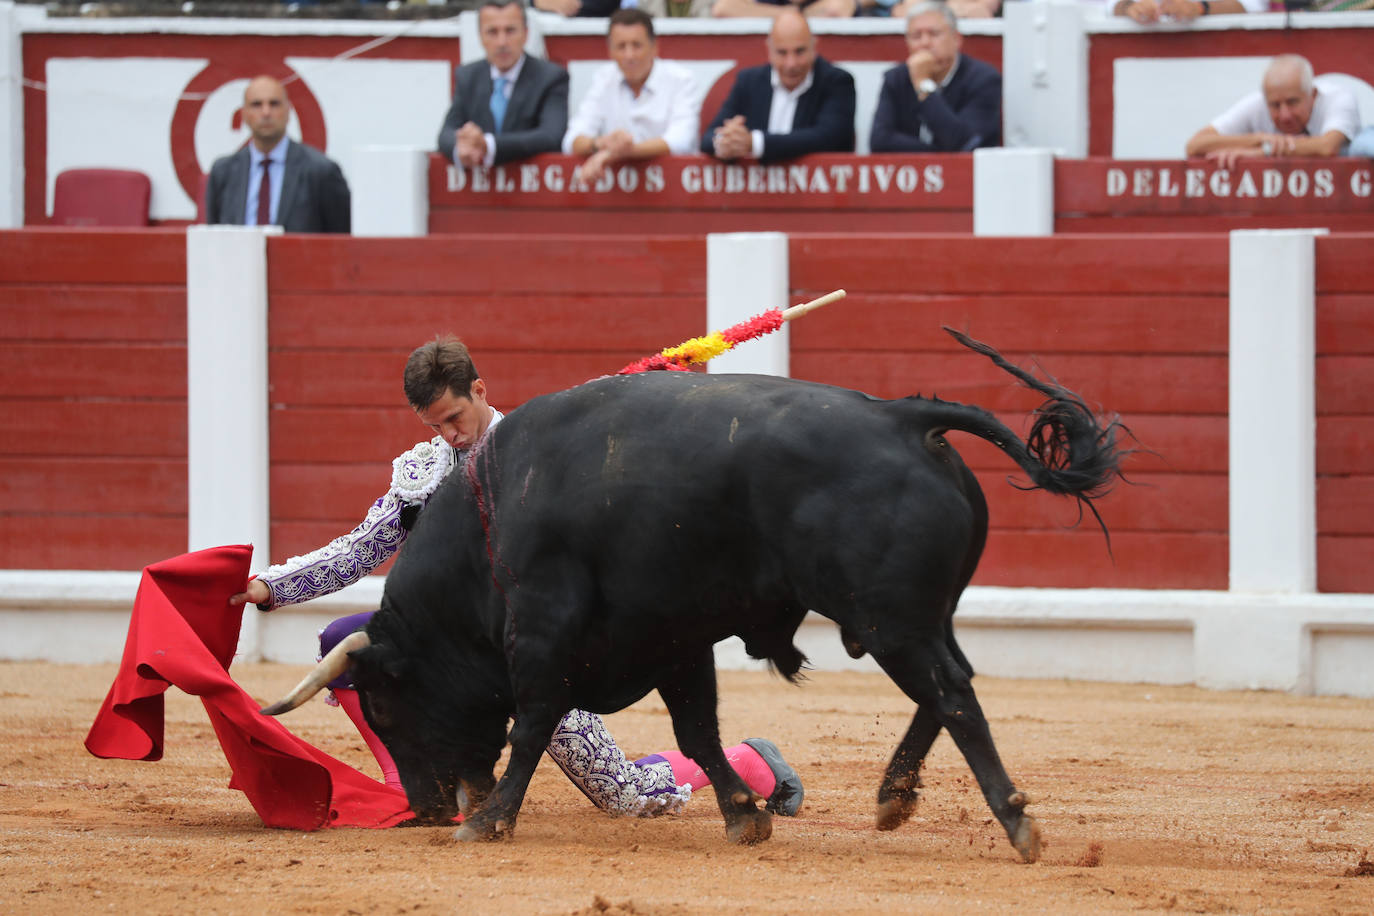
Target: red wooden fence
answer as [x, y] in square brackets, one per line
[93, 383]
[1140, 330]
[1345, 413]
[539, 313]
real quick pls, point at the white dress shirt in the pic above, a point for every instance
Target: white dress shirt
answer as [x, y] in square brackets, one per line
[668, 106]
[1335, 108]
[783, 109]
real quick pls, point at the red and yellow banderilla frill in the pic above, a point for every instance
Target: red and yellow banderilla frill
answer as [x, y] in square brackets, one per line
[708, 347]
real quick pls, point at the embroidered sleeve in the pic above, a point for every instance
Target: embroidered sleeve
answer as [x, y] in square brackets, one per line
[346, 559]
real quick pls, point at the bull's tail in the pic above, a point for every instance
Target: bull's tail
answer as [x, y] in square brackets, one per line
[1069, 450]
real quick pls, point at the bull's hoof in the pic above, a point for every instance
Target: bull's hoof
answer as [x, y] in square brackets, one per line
[751, 828]
[1026, 839]
[895, 812]
[473, 832]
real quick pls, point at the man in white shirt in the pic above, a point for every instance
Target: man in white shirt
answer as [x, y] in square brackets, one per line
[637, 107]
[1294, 114]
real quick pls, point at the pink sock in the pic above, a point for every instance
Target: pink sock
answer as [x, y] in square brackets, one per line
[746, 761]
[348, 699]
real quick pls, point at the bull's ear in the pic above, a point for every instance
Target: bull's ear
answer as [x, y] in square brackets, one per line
[379, 661]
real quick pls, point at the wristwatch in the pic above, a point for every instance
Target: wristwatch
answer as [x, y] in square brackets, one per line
[1267, 148]
[926, 86]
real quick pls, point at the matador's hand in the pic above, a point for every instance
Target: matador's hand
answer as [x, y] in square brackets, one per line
[257, 592]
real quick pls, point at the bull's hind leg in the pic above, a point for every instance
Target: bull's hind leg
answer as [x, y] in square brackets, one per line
[689, 691]
[902, 782]
[929, 673]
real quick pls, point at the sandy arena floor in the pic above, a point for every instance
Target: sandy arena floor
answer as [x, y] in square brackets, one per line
[1151, 799]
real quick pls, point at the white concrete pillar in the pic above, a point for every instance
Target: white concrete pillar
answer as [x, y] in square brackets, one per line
[1013, 192]
[11, 119]
[747, 274]
[390, 186]
[1045, 76]
[1272, 378]
[226, 395]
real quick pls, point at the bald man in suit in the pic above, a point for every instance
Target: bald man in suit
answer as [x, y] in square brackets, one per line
[532, 101]
[797, 103]
[274, 180]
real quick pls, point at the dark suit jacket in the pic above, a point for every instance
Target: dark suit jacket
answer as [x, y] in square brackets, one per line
[824, 122]
[962, 116]
[536, 116]
[314, 195]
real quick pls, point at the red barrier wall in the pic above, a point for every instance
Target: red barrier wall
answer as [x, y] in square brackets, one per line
[93, 383]
[540, 314]
[1139, 329]
[1195, 195]
[93, 445]
[1345, 413]
[829, 192]
[894, 193]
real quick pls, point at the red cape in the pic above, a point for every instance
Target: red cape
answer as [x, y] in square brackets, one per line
[183, 632]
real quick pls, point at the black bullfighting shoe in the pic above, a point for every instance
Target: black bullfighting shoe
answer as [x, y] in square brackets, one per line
[787, 792]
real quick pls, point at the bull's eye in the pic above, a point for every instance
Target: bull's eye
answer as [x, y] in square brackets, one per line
[381, 712]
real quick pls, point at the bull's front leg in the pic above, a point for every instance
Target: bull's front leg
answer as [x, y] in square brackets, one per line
[690, 695]
[495, 818]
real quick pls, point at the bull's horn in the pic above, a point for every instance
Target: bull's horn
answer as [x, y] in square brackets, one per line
[330, 667]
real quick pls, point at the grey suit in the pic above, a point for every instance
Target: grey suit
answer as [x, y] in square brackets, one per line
[314, 195]
[536, 116]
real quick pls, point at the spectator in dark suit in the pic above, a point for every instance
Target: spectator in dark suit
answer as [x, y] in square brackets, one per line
[529, 94]
[939, 100]
[797, 103]
[273, 181]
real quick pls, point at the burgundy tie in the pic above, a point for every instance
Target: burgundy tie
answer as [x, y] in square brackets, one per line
[265, 195]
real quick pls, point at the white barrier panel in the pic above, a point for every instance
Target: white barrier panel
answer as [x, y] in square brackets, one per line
[11, 120]
[746, 274]
[1045, 76]
[1221, 640]
[390, 191]
[1013, 192]
[226, 395]
[1273, 424]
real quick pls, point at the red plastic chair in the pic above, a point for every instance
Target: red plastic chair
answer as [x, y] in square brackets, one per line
[101, 197]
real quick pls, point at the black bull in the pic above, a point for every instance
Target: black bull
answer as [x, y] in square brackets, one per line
[600, 540]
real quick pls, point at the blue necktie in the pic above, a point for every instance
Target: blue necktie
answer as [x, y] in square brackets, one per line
[498, 101]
